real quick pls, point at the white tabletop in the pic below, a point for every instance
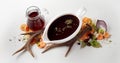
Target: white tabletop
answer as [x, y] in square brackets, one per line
[12, 14]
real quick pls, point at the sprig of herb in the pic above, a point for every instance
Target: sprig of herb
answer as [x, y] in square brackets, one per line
[83, 44]
[95, 44]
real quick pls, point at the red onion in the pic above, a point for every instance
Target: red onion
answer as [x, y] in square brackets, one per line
[101, 23]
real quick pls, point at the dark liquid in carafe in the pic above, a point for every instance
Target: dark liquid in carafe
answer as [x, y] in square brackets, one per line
[35, 22]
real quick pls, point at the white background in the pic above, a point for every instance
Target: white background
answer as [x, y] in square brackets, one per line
[12, 14]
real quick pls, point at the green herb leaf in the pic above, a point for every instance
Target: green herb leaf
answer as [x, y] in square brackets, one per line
[94, 26]
[95, 44]
[94, 37]
[110, 40]
[83, 44]
[101, 30]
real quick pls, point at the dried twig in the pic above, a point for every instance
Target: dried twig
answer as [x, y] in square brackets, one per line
[27, 46]
[70, 43]
[30, 33]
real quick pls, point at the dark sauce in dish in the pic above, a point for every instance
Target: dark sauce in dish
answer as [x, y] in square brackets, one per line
[63, 27]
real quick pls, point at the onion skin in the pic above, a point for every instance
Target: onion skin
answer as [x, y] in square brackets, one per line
[101, 23]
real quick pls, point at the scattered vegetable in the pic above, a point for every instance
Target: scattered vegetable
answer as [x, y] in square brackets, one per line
[110, 40]
[100, 36]
[95, 44]
[106, 35]
[101, 24]
[87, 20]
[24, 27]
[98, 32]
[41, 44]
[83, 44]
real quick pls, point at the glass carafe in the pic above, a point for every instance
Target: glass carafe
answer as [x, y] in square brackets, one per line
[35, 21]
